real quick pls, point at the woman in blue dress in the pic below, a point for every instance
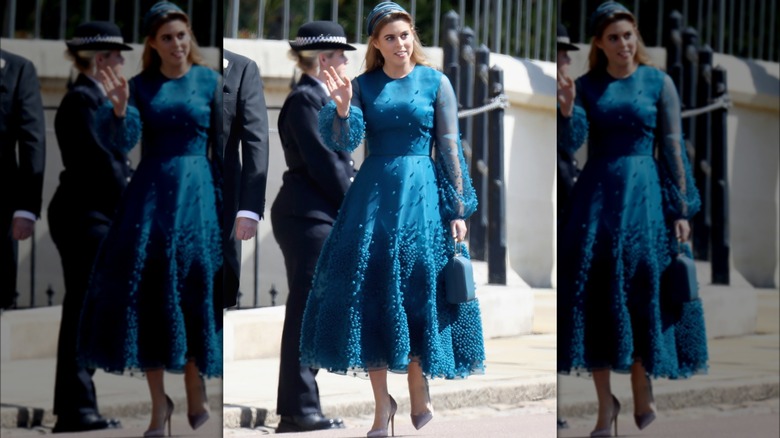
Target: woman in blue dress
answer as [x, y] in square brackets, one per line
[377, 300]
[629, 212]
[151, 302]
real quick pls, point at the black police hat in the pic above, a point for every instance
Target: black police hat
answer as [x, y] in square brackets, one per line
[97, 35]
[563, 41]
[320, 35]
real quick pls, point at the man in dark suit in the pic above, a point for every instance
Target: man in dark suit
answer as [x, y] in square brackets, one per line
[94, 176]
[567, 164]
[244, 121]
[21, 176]
[304, 211]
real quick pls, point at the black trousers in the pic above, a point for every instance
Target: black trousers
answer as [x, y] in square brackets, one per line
[78, 238]
[301, 240]
[8, 261]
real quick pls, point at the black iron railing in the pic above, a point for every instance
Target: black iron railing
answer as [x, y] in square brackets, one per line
[743, 28]
[520, 28]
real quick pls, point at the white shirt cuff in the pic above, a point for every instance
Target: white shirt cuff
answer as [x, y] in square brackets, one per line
[248, 214]
[25, 214]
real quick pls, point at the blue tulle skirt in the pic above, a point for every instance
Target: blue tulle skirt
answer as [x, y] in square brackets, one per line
[377, 295]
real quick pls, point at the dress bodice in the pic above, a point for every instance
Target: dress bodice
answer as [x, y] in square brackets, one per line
[401, 119]
[407, 117]
[175, 113]
[622, 113]
[633, 121]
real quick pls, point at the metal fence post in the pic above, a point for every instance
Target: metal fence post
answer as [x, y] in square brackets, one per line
[719, 205]
[690, 60]
[466, 87]
[496, 208]
[690, 70]
[674, 47]
[701, 171]
[450, 48]
[478, 222]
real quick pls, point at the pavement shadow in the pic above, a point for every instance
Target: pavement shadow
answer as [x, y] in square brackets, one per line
[26, 417]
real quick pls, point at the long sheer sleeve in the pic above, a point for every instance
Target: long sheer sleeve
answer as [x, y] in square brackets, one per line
[217, 153]
[681, 197]
[456, 192]
[343, 134]
[119, 133]
[573, 130]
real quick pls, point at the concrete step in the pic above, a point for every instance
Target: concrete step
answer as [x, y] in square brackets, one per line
[514, 309]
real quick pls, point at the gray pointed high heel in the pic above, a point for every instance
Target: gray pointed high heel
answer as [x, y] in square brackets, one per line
[607, 431]
[197, 420]
[381, 433]
[420, 420]
[160, 431]
[644, 420]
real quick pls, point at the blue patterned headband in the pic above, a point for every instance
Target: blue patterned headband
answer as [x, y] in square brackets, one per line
[379, 12]
[158, 10]
[605, 10]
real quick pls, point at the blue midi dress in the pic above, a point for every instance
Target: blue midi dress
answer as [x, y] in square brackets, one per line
[150, 303]
[619, 237]
[377, 295]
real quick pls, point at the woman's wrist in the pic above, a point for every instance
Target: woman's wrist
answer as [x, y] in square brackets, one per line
[566, 114]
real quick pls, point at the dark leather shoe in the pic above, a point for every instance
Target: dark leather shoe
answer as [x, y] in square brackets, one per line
[84, 423]
[305, 423]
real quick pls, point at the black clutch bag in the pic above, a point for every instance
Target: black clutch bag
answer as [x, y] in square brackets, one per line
[678, 282]
[459, 279]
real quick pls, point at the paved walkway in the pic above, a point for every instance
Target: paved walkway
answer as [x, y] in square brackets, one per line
[520, 370]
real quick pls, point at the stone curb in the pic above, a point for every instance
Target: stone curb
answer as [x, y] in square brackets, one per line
[26, 417]
[235, 416]
[760, 389]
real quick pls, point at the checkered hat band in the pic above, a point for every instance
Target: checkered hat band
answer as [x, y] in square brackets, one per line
[97, 39]
[302, 41]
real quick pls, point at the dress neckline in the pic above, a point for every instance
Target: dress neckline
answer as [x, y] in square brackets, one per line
[168, 78]
[402, 77]
[613, 78]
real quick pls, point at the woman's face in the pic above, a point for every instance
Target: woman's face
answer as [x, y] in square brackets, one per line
[619, 42]
[172, 43]
[336, 59]
[113, 60]
[396, 43]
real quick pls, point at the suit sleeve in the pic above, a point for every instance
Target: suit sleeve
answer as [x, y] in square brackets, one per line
[322, 164]
[32, 141]
[254, 141]
[80, 142]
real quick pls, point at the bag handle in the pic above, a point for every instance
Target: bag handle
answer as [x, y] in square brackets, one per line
[456, 248]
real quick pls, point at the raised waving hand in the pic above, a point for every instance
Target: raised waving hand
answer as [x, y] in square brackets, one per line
[117, 90]
[567, 91]
[340, 89]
